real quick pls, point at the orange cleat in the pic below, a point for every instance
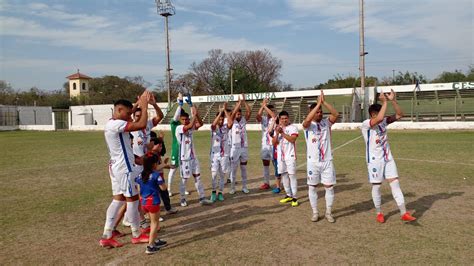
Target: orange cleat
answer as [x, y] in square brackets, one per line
[264, 186]
[380, 218]
[140, 239]
[407, 217]
[110, 243]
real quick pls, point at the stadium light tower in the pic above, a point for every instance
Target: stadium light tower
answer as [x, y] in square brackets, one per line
[166, 9]
[362, 52]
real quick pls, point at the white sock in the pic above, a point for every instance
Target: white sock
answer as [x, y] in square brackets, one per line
[221, 180]
[329, 198]
[233, 174]
[377, 197]
[199, 186]
[133, 217]
[294, 185]
[313, 198]
[243, 171]
[170, 177]
[266, 174]
[214, 180]
[111, 216]
[286, 184]
[398, 196]
[182, 187]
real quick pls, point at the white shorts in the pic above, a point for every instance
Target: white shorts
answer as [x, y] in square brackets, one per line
[266, 153]
[380, 170]
[124, 183]
[239, 154]
[321, 172]
[287, 166]
[220, 162]
[189, 168]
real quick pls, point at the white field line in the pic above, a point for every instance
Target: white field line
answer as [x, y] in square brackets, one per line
[413, 160]
[335, 149]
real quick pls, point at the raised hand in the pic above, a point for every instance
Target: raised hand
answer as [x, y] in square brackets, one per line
[392, 95]
[152, 100]
[382, 97]
[225, 106]
[243, 97]
[265, 102]
[322, 96]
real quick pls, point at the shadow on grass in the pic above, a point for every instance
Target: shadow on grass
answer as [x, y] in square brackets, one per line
[423, 204]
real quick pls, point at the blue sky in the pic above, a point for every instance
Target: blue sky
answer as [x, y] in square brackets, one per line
[44, 41]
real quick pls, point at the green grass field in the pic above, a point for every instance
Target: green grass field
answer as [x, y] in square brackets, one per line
[55, 191]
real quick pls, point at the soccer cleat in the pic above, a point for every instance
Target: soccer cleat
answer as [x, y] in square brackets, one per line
[151, 249]
[330, 218]
[245, 190]
[380, 218]
[264, 186]
[294, 202]
[220, 197]
[276, 190]
[116, 234]
[109, 243]
[145, 230]
[186, 193]
[172, 211]
[232, 191]
[286, 199]
[184, 203]
[160, 243]
[213, 196]
[142, 238]
[315, 217]
[407, 217]
[205, 201]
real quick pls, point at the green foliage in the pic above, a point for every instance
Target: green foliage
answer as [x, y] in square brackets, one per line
[345, 82]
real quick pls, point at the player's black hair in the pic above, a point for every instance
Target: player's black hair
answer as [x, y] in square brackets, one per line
[183, 113]
[311, 107]
[221, 114]
[374, 108]
[270, 106]
[283, 113]
[153, 134]
[124, 102]
[157, 141]
[148, 161]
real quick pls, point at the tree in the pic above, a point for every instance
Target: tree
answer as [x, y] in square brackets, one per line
[253, 71]
[408, 78]
[108, 89]
[348, 82]
[455, 76]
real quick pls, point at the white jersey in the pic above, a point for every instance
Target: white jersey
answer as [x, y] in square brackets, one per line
[186, 145]
[239, 134]
[286, 150]
[318, 141]
[220, 141]
[376, 141]
[119, 146]
[141, 138]
[266, 138]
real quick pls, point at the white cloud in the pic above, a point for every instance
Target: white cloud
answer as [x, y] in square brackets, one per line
[438, 23]
[278, 23]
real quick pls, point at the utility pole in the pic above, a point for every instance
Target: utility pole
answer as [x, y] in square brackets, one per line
[362, 52]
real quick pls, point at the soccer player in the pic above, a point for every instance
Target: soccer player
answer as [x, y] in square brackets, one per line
[285, 138]
[239, 144]
[380, 162]
[271, 131]
[320, 168]
[175, 122]
[266, 152]
[188, 160]
[123, 170]
[220, 151]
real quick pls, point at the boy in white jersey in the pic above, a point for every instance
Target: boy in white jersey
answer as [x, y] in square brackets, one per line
[380, 163]
[320, 168]
[188, 161]
[123, 170]
[220, 152]
[266, 152]
[285, 138]
[239, 144]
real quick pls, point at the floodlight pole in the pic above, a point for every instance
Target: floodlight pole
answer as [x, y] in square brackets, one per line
[362, 52]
